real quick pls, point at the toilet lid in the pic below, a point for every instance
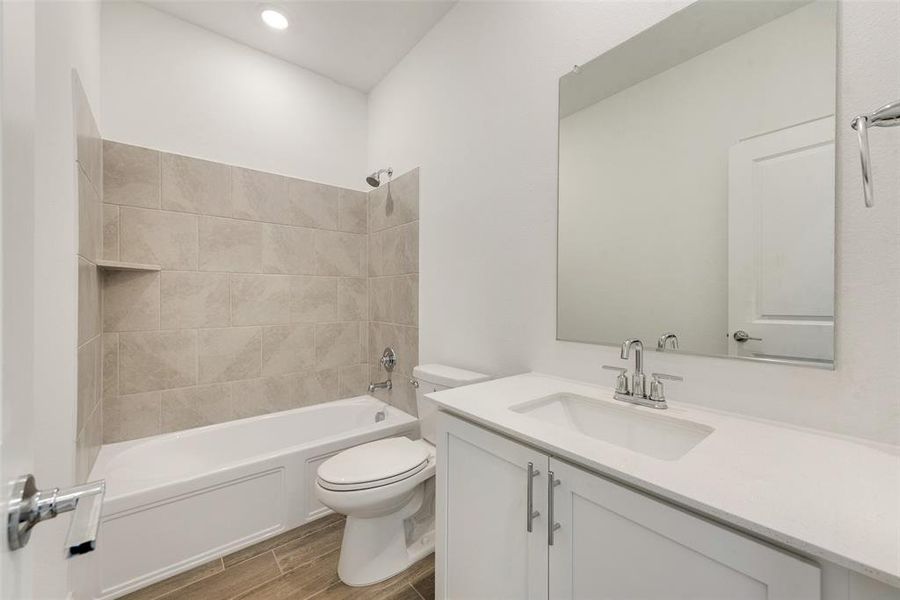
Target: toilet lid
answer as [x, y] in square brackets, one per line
[374, 462]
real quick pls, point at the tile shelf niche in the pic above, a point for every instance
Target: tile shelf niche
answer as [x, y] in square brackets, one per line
[115, 265]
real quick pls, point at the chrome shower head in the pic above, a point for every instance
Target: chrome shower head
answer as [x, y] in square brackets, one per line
[375, 178]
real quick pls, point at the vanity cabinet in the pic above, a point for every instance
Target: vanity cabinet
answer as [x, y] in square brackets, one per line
[610, 542]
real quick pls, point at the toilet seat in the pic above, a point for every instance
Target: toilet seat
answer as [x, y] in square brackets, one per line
[375, 464]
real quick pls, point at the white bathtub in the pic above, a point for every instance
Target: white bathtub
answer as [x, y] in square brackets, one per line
[177, 500]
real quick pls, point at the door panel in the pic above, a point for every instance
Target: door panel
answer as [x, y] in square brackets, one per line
[614, 543]
[482, 481]
[781, 243]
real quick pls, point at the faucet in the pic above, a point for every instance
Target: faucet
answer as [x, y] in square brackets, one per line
[638, 380]
[638, 394]
[664, 340]
[388, 361]
[381, 385]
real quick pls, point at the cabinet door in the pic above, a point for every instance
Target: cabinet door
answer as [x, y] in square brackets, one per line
[484, 550]
[615, 543]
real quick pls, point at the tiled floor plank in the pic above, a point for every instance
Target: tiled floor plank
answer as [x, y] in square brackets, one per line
[281, 539]
[157, 590]
[301, 583]
[231, 582]
[301, 551]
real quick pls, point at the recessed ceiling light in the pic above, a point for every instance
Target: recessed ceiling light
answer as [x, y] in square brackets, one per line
[274, 19]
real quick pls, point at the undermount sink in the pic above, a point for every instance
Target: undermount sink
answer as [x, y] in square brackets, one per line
[656, 435]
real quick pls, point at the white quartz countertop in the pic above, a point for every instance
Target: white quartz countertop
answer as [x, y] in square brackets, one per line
[827, 496]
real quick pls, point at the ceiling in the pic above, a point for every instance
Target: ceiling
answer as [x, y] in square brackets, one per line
[354, 42]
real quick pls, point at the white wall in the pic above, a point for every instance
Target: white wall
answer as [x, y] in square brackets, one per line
[475, 104]
[173, 86]
[67, 37]
[663, 238]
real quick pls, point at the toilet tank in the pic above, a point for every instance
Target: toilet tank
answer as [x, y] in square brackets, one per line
[434, 378]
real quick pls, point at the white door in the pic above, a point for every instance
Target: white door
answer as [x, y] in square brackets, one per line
[781, 244]
[484, 549]
[16, 267]
[614, 543]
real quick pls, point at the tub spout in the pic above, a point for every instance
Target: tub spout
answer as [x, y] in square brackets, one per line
[381, 385]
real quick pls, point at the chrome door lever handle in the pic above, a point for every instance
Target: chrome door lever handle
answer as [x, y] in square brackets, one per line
[28, 506]
[742, 336]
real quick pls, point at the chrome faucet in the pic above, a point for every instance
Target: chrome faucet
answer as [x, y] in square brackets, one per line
[637, 392]
[638, 381]
[381, 385]
[388, 361]
[664, 340]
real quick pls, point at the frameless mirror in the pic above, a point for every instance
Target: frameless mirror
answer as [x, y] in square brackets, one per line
[696, 185]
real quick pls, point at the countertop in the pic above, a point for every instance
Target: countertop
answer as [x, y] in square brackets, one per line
[823, 495]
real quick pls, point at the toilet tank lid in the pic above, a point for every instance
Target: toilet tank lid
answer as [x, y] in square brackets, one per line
[447, 376]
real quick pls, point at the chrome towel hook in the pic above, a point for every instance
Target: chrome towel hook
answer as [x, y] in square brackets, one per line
[886, 116]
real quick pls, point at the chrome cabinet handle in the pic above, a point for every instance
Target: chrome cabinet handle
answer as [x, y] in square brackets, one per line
[532, 514]
[742, 336]
[29, 506]
[552, 526]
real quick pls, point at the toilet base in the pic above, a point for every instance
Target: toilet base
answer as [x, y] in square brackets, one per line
[375, 549]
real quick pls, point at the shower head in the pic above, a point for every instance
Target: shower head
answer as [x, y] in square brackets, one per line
[375, 178]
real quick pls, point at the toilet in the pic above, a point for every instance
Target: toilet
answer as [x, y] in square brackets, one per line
[386, 489]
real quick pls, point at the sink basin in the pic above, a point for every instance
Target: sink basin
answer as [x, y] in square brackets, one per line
[656, 435]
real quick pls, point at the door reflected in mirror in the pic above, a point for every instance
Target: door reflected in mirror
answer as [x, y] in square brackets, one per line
[696, 185]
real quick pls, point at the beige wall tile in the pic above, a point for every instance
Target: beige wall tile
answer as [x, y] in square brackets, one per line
[130, 301]
[399, 250]
[110, 232]
[260, 299]
[130, 175]
[404, 300]
[194, 185]
[313, 299]
[337, 345]
[315, 388]
[90, 219]
[363, 341]
[404, 340]
[89, 375]
[194, 299]
[353, 381]
[88, 301]
[402, 396]
[313, 204]
[229, 354]
[380, 298]
[110, 343]
[353, 211]
[131, 417]
[157, 360]
[395, 203]
[230, 245]
[262, 396]
[167, 239]
[353, 299]
[259, 196]
[88, 145]
[288, 349]
[195, 407]
[339, 253]
[290, 250]
[375, 254]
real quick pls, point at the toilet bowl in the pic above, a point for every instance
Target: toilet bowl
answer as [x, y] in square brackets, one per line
[386, 490]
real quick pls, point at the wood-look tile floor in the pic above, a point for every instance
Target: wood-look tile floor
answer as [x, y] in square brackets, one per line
[295, 565]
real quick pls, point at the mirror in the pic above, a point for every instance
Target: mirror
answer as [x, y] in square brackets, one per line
[696, 185]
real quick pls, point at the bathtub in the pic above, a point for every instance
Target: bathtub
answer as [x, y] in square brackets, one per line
[177, 500]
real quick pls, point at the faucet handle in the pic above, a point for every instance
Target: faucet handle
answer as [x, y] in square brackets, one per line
[657, 391]
[621, 380]
[667, 376]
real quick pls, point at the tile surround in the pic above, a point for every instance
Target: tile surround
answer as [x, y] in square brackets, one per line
[263, 302]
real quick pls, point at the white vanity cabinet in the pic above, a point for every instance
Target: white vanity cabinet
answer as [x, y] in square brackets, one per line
[611, 542]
